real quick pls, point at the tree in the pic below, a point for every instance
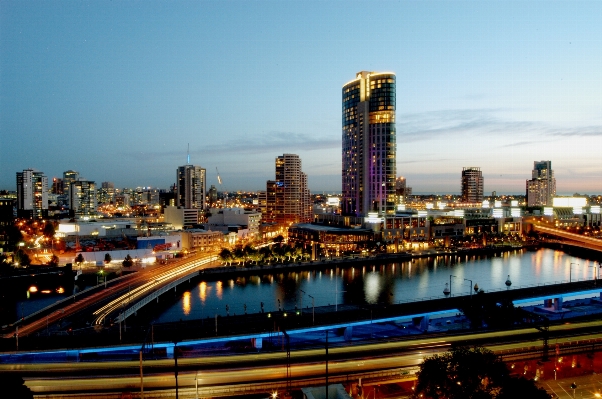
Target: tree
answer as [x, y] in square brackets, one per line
[470, 373]
[226, 256]
[108, 258]
[49, 230]
[54, 261]
[22, 258]
[278, 239]
[79, 259]
[128, 261]
[13, 386]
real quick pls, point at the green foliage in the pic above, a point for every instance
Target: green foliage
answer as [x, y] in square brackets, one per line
[128, 261]
[108, 258]
[54, 261]
[79, 259]
[14, 387]
[226, 256]
[470, 373]
[22, 258]
[49, 230]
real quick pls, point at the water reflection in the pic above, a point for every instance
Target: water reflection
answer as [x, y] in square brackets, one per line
[377, 284]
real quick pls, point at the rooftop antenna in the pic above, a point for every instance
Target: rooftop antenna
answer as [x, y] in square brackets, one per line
[188, 155]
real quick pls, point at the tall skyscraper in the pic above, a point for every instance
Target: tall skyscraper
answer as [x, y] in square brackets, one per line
[472, 185]
[32, 194]
[191, 190]
[369, 145]
[287, 198]
[82, 198]
[69, 177]
[542, 186]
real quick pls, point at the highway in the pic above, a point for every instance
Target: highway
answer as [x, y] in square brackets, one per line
[257, 371]
[127, 290]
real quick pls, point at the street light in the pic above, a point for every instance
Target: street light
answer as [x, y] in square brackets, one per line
[571, 271]
[313, 320]
[450, 286]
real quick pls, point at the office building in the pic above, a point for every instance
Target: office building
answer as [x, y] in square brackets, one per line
[190, 191]
[212, 198]
[541, 189]
[69, 177]
[369, 144]
[106, 193]
[472, 185]
[82, 197]
[32, 194]
[287, 199]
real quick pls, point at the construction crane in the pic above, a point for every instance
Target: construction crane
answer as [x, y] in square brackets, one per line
[219, 180]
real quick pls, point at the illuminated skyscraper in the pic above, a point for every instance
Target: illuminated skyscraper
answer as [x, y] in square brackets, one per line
[542, 186]
[287, 199]
[369, 145]
[82, 198]
[32, 194]
[69, 177]
[472, 185]
[191, 190]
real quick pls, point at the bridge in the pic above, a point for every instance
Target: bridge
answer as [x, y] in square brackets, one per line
[569, 238]
[119, 293]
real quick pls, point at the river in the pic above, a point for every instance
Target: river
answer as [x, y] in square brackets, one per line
[377, 284]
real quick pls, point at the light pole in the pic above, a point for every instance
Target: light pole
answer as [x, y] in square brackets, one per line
[571, 271]
[466, 279]
[450, 290]
[313, 320]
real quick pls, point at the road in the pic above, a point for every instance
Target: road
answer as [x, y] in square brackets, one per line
[258, 371]
[127, 289]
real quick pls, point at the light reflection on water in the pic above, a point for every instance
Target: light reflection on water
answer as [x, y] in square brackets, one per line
[374, 284]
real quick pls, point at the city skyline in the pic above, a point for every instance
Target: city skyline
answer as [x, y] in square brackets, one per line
[118, 91]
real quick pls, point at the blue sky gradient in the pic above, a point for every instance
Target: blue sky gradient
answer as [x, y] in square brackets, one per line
[117, 90]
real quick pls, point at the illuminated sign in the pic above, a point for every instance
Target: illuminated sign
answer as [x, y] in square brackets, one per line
[569, 202]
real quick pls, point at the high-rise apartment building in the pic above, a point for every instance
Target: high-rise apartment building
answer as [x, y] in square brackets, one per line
[69, 177]
[32, 194]
[402, 191]
[541, 189]
[82, 198]
[287, 198]
[369, 145]
[106, 193]
[472, 185]
[191, 189]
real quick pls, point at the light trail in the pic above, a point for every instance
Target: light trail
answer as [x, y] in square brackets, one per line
[147, 288]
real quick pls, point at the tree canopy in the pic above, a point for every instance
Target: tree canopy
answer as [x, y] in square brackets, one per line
[127, 261]
[471, 373]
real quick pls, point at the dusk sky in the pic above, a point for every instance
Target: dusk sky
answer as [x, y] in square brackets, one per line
[117, 90]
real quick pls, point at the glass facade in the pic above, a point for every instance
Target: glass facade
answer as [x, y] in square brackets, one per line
[369, 144]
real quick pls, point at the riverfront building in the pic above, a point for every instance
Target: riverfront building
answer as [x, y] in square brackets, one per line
[541, 189]
[287, 199]
[472, 185]
[369, 145]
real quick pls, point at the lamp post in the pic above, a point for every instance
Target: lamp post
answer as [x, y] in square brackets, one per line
[450, 286]
[571, 271]
[313, 320]
[466, 279]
